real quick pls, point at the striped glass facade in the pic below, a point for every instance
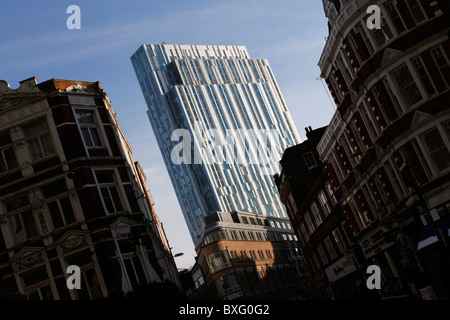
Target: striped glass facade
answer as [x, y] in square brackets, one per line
[204, 88]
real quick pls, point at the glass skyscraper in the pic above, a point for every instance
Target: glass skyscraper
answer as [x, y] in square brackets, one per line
[221, 124]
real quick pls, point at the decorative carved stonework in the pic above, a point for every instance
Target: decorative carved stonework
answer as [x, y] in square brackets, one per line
[78, 87]
[19, 144]
[122, 233]
[42, 222]
[74, 244]
[28, 261]
[37, 205]
[13, 102]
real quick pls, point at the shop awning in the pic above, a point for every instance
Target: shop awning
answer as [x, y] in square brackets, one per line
[427, 238]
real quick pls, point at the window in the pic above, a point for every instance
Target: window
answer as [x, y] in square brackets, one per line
[304, 232]
[226, 284]
[234, 255]
[339, 240]
[383, 35]
[366, 39]
[38, 139]
[322, 254]
[316, 215]
[261, 254]
[309, 223]
[331, 193]
[437, 149]
[89, 129]
[309, 160]
[446, 126]
[24, 226]
[421, 157]
[37, 285]
[61, 212]
[292, 203]
[416, 10]
[108, 190]
[393, 14]
[423, 75]
[442, 63]
[330, 247]
[90, 284]
[324, 203]
[406, 84]
[346, 68]
[217, 261]
[397, 106]
[8, 160]
[22, 220]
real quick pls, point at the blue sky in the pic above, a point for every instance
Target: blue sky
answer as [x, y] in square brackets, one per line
[34, 41]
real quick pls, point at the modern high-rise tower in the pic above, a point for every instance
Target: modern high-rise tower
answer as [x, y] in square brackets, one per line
[221, 124]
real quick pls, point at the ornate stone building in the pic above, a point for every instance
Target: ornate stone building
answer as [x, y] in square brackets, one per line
[71, 194]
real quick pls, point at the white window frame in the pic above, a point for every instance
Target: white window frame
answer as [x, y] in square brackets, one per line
[119, 187]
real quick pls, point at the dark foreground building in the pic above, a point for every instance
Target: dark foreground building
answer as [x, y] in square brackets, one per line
[71, 194]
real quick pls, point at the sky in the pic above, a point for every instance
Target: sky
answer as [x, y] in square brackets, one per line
[35, 42]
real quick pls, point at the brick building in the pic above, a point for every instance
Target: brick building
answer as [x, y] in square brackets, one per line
[247, 256]
[71, 194]
[387, 147]
[318, 220]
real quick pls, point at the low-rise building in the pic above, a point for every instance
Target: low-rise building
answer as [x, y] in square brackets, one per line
[248, 256]
[71, 194]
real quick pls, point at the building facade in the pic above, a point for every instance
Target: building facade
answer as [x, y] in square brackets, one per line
[387, 147]
[246, 256]
[221, 123]
[318, 220]
[71, 194]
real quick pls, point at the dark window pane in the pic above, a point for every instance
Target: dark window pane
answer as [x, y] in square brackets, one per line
[30, 225]
[69, 216]
[35, 128]
[34, 276]
[85, 117]
[55, 214]
[437, 148]
[107, 199]
[10, 158]
[5, 139]
[17, 203]
[54, 188]
[86, 137]
[46, 293]
[17, 224]
[116, 199]
[35, 149]
[131, 273]
[81, 259]
[95, 137]
[104, 176]
[47, 148]
[3, 167]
